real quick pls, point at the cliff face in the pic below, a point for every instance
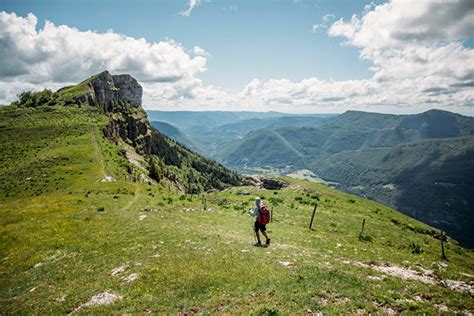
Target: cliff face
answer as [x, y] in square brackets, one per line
[120, 96]
[110, 89]
[133, 129]
[106, 90]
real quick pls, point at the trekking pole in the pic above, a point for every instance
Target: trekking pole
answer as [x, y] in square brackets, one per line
[254, 232]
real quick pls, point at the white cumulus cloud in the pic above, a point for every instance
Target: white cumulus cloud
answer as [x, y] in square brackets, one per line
[57, 55]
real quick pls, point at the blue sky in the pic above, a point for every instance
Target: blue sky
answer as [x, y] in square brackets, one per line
[246, 39]
[295, 56]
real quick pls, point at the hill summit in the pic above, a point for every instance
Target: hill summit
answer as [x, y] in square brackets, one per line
[118, 100]
[106, 89]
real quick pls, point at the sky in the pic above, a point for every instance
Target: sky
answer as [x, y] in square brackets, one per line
[297, 56]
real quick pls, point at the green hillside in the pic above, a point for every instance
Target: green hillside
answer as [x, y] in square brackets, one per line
[180, 137]
[85, 230]
[262, 148]
[213, 131]
[431, 180]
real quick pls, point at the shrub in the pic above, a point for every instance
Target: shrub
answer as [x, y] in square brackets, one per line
[416, 249]
[267, 312]
[275, 201]
[366, 238]
[101, 209]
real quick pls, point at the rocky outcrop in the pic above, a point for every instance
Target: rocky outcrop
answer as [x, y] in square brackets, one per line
[252, 181]
[128, 89]
[120, 97]
[267, 183]
[136, 132]
[107, 90]
[273, 184]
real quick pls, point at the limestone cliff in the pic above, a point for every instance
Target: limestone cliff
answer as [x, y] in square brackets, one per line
[105, 90]
[120, 98]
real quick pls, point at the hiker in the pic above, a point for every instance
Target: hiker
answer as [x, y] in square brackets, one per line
[262, 215]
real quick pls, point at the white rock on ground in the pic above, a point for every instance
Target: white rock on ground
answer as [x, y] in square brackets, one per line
[103, 298]
[117, 270]
[129, 279]
[108, 179]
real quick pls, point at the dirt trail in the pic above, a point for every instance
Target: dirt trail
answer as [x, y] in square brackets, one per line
[98, 152]
[133, 200]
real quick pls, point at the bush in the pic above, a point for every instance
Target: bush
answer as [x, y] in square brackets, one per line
[34, 99]
[156, 170]
[275, 201]
[366, 238]
[416, 249]
[267, 312]
[101, 209]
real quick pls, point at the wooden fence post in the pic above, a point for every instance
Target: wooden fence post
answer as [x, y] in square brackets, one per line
[443, 255]
[312, 217]
[362, 231]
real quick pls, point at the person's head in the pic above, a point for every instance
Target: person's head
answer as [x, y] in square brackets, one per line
[258, 201]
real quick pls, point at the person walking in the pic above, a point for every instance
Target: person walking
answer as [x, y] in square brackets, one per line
[262, 218]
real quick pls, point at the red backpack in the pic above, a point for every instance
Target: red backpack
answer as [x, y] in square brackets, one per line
[263, 215]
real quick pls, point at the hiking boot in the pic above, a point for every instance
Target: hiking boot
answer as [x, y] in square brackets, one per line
[258, 244]
[267, 242]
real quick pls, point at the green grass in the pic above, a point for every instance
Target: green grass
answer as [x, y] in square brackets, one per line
[63, 233]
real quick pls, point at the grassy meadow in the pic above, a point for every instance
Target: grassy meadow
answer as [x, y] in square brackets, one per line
[66, 235]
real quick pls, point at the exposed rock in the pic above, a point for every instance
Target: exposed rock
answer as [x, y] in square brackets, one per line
[136, 131]
[273, 184]
[110, 89]
[128, 89]
[117, 271]
[129, 279]
[103, 298]
[252, 180]
[267, 183]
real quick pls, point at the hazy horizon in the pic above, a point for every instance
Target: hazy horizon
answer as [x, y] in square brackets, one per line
[210, 111]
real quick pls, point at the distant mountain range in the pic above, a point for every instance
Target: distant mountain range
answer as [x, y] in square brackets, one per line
[421, 164]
